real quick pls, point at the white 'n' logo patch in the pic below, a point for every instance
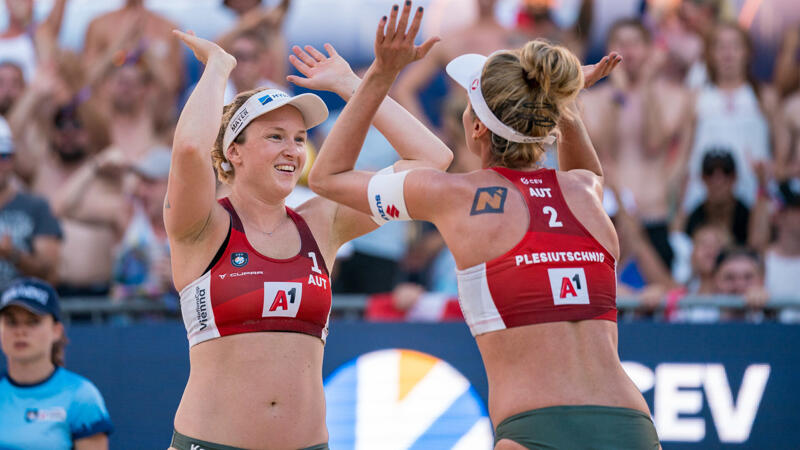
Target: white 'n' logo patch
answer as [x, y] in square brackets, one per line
[568, 286]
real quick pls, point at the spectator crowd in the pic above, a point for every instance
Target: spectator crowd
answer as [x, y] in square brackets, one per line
[701, 159]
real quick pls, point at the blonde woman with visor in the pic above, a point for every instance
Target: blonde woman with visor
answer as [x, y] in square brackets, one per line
[536, 252]
[252, 273]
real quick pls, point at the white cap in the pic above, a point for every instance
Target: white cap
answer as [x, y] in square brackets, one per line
[466, 71]
[311, 107]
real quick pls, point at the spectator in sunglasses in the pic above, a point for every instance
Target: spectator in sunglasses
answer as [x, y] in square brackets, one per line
[721, 207]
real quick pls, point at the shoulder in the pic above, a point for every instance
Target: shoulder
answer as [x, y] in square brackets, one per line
[433, 183]
[83, 389]
[316, 210]
[318, 213]
[105, 20]
[581, 179]
[32, 200]
[30, 203]
[161, 21]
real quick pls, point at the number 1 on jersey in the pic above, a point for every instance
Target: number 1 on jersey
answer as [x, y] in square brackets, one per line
[315, 267]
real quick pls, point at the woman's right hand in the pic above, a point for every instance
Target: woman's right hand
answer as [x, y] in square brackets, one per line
[394, 47]
[205, 50]
[323, 73]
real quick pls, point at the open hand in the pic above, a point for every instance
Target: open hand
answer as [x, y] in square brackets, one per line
[324, 73]
[204, 50]
[595, 72]
[394, 47]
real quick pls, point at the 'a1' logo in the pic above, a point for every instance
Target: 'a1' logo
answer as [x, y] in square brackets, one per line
[282, 299]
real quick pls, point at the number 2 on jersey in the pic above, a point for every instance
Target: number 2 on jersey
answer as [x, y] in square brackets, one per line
[554, 222]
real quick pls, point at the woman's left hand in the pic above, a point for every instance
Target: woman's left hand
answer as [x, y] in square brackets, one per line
[323, 73]
[394, 47]
[593, 73]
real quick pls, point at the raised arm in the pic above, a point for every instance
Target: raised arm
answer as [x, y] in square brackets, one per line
[191, 190]
[575, 150]
[332, 175]
[415, 143]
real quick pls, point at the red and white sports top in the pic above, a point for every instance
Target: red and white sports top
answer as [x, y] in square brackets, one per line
[244, 291]
[557, 272]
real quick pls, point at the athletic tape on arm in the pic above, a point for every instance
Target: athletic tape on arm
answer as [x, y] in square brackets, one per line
[386, 198]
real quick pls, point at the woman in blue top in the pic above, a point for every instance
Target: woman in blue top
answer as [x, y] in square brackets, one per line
[43, 405]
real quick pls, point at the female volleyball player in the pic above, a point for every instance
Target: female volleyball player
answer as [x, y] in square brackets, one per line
[252, 273]
[535, 250]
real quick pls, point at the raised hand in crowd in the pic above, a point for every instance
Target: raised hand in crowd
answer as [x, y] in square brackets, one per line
[205, 50]
[592, 73]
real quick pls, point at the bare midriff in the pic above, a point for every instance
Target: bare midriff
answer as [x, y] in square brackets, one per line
[255, 390]
[556, 364]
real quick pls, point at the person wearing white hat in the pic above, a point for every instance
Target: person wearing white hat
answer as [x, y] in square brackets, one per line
[252, 273]
[536, 253]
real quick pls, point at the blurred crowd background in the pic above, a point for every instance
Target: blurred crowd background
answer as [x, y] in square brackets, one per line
[698, 132]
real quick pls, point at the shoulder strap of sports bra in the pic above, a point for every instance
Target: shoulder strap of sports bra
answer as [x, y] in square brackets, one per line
[236, 222]
[308, 243]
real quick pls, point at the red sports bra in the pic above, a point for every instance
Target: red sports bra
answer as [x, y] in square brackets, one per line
[557, 272]
[245, 291]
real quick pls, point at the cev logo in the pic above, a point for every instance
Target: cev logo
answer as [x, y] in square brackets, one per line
[475, 84]
[402, 399]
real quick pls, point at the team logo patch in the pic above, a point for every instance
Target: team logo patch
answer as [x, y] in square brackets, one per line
[55, 414]
[282, 299]
[239, 259]
[270, 97]
[568, 286]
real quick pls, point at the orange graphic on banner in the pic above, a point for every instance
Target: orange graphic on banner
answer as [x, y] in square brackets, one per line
[413, 367]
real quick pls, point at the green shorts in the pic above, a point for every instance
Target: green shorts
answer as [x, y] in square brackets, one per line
[583, 426]
[182, 442]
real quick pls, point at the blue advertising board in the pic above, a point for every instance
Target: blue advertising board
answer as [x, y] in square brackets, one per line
[708, 386]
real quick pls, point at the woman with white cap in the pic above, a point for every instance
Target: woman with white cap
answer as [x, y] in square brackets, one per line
[252, 273]
[535, 250]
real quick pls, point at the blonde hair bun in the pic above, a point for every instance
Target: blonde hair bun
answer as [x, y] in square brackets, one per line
[528, 89]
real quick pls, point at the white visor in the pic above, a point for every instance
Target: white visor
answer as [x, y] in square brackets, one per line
[466, 71]
[311, 107]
